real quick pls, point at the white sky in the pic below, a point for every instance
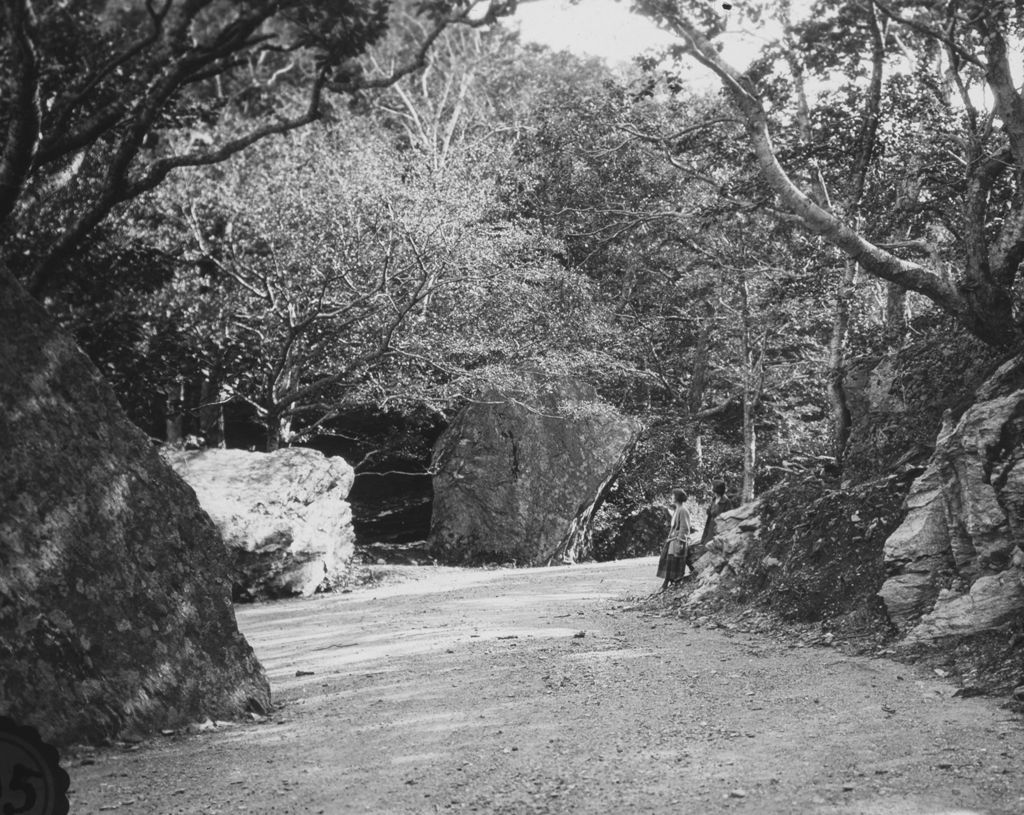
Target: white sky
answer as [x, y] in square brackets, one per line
[606, 28]
[601, 28]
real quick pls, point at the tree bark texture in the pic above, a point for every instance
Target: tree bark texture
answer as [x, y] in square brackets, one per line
[699, 377]
[841, 419]
[752, 365]
[211, 414]
[174, 419]
[22, 108]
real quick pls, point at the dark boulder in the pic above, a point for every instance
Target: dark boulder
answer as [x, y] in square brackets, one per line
[518, 480]
[115, 611]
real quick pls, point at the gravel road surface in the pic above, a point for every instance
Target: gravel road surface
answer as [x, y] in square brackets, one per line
[551, 691]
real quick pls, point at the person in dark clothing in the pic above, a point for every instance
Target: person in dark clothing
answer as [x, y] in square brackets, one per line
[720, 503]
[673, 561]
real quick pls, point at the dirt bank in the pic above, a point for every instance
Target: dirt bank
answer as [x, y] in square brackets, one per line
[544, 691]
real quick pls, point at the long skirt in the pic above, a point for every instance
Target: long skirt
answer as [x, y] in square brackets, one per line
[672, 567]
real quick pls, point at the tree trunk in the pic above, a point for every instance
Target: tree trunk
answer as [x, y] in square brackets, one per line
[273, 435]
[175, 414]
[22, 108]
[837, 362]
[279, 431]
[698, 380]
[749, 452]
[211, 414]
[752, 365]
[894, 329]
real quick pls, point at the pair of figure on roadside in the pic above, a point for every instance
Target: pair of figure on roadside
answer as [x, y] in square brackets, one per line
[677, 554]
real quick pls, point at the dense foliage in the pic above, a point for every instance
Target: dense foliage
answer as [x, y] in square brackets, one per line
[819, 555]
[925, 195]
[292, 216]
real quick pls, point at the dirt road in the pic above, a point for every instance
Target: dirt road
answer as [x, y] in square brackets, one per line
[541, 691]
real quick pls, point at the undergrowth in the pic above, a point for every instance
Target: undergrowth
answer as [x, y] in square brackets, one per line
[821, 549]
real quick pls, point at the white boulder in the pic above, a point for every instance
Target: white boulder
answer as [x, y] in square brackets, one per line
[283, 515]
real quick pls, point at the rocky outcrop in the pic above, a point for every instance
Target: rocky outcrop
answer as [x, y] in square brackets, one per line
[518, 481]
[283, 515]
[115, 611]
[955, 562]
[727, 552]
[991, 602]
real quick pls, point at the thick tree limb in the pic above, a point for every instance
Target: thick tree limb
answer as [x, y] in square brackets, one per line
[23, 125]
[871, 257]
[61, 140]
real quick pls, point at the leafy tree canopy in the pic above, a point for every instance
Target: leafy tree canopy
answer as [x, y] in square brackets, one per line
[928, 194]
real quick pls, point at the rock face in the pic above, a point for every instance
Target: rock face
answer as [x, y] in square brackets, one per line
[115, 610]
[519, 482]
[735, 533]
[283, 515]
[955, 561]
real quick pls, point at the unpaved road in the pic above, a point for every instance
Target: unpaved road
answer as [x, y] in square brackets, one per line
[473, 691]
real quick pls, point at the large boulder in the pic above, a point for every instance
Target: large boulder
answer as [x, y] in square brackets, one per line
[726, 554]
[283, 515]
[954, 564]
[518, 481]
[115, 608]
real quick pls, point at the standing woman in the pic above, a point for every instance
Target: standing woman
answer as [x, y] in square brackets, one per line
[672, 565]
